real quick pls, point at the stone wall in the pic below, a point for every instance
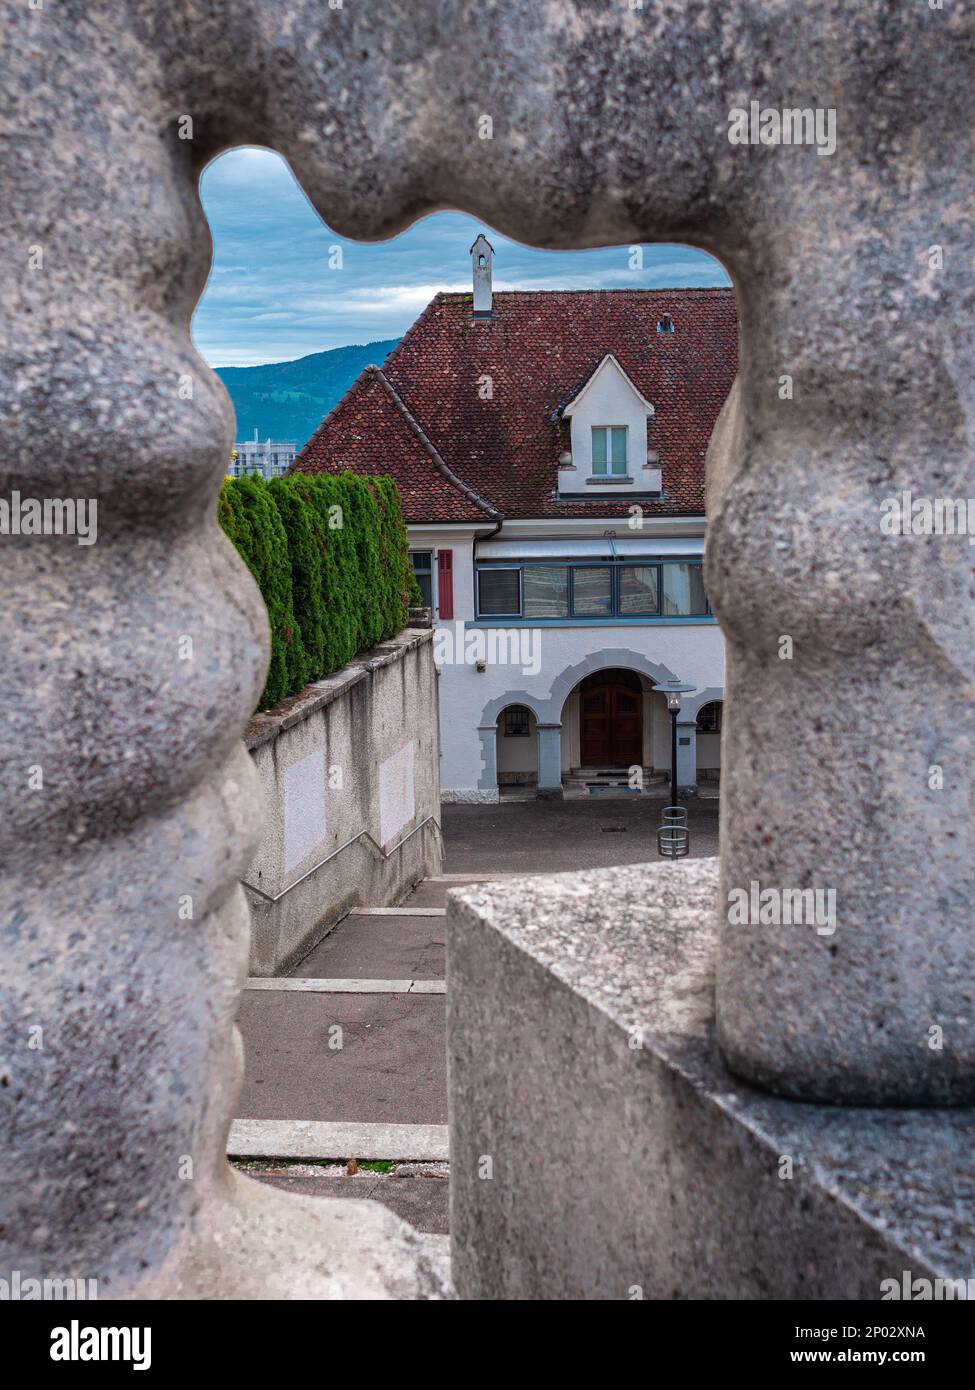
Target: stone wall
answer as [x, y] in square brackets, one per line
[350, 769]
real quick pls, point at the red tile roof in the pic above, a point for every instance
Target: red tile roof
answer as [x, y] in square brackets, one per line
[459, 457]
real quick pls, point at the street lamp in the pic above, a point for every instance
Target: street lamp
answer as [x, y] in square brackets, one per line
[673, 691]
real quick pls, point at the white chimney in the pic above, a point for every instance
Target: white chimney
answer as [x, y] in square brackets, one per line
[482, 254]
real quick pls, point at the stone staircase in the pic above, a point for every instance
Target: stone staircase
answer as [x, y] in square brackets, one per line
[345, 1062]
[603, 781]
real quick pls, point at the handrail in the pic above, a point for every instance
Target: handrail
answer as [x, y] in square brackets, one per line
[362, 835]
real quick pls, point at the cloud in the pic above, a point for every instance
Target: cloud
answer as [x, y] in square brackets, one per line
[272, 294]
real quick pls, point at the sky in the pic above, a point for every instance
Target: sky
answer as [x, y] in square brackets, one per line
[273, 295]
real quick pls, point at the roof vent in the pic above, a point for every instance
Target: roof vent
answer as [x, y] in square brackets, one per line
[665, 324]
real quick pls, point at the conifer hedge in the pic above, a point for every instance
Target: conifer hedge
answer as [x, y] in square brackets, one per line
[330, 556]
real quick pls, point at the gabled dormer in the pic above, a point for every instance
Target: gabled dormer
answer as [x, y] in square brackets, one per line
[608, 438]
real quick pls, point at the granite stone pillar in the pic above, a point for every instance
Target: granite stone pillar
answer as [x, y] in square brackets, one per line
[687, 756]
[549, 760]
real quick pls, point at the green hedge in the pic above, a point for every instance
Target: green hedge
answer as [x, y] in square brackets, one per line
[330, 556]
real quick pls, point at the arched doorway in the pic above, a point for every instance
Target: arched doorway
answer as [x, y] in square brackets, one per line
[708, 741]
[517, 757]
[611, 719]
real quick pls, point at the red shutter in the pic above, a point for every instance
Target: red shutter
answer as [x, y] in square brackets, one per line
[445, 583]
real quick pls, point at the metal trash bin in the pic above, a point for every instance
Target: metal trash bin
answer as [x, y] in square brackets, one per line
[673, 841]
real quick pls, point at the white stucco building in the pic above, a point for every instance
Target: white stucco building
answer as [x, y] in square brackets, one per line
[271, 458]
[549, 446]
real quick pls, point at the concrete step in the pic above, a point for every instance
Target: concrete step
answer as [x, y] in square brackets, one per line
[397, 912]
[370, 947]
[338, 986]
[432, 892]
[314, 1140]
[373, 1058]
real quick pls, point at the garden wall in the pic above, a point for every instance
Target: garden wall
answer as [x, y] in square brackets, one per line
[351, 775]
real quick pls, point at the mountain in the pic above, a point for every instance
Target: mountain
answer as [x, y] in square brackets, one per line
[287, 400]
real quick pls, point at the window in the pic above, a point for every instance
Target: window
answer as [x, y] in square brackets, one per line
[638, 589]
[516, 722]
[709, 718]
[423, 569]
[608, 449]
[684, 594]
[592, 590]
[546, 591]
[635, 590]
[499, 592]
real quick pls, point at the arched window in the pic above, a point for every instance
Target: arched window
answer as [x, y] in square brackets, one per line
[709, 717]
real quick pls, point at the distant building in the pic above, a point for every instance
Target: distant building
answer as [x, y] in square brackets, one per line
[549, 447]
[265, 457]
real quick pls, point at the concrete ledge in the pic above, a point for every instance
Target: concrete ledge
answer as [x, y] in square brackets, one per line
[307, 985]
[296, 708]
[582, 1062]
[398, 912]
[319, 1139]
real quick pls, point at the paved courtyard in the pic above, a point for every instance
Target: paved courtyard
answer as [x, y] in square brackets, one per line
[346, 1059]
[559, 836]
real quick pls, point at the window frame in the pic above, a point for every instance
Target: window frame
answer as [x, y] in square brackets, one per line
[601, 565]
[572, 564]
[609, 471]
[656, 566]
[544, 565]
[427, 571]
[519, 710]
[521, 592]
[709, 704]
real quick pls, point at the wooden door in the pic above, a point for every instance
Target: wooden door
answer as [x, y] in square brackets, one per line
[611, 718]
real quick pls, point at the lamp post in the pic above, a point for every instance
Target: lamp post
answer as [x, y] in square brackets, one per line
[673, 705]
[673, 691]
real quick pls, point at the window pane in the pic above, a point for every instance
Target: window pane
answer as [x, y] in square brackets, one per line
[546, 591]
[592, 590]
[599, 450]
[638, 589]
[420, 560]
[498, 591]
[619, 450]
[684, 590]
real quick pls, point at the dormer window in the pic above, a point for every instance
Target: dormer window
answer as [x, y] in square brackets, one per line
[665, 324]
[608, 450]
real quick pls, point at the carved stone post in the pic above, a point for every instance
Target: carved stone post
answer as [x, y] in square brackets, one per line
[133, 655]
[849, 711]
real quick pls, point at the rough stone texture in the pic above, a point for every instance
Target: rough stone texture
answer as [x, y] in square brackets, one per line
[610, 125]
[618, 1165]
[347, 725]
